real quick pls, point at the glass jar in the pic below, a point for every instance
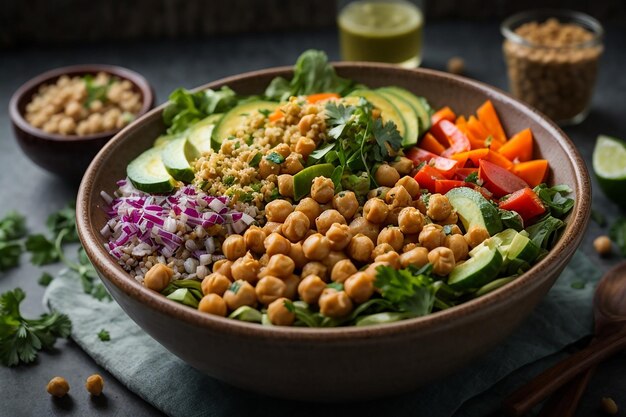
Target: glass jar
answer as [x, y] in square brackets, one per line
[552, 61]
[381, 30]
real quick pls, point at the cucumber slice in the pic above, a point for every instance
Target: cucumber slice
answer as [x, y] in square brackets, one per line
[419, 104]
[236, 118]
[176, 156]
[147, 173]
[201, 133]
[388, 110]
[523, 248]
[502, 240]
[474, 209]
[478, 270]
[303, 180]
[493, 285]
[408, 113]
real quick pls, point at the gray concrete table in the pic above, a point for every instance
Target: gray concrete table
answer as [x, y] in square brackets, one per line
[171, 64]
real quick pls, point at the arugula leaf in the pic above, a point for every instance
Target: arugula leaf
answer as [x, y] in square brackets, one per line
[554, 198]
[311, 74]
[64, 219]
[21, 338]
[104, 335]
[43, 251]
[187, 108]
[10, 254]
[12, 226]
[45, 279]
[617, 232]
[511, 220]
[275, 157]
[544, 231]
[408, 289]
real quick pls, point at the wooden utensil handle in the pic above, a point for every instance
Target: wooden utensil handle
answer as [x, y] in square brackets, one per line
[564, 402]
[525, 398]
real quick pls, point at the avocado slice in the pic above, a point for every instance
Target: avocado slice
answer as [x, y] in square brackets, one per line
[148, 174]
[303, 180]
[408, 113]
[474, 209]
[419, 104]
[388, 110]
[236, 117]
[201, 133]
[176, 157]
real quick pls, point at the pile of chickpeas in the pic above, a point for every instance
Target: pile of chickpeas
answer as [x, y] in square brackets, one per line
[62, 107]
[330, 237]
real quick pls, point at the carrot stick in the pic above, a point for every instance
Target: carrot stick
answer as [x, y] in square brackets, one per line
[498, 159]
[431, 144]
[444, 113]
[533, 172]
[314, 98]
[519, 147]
[489, 118]
[277, 115]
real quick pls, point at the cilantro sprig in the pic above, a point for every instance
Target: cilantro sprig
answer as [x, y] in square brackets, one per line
[12, 230]
[20, 338]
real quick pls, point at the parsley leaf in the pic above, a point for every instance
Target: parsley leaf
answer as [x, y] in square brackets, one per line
[43, 251]
[21, 338]
[95, 91]
[12, 226]
[410, 290]
[338, 116]
[10, 254]
[275, 157]
[554, 198]
[254, 162]
[472, 177]
[45, 279]
[104, 335]
[386, 135]
[64, 219]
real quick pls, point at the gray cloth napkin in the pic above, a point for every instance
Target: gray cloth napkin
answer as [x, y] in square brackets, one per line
[165, 381]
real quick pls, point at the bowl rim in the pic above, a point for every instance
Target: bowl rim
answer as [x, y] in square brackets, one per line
[568, 242]
[17, 117]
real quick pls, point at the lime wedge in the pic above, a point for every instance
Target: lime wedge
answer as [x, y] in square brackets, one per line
[609, 165]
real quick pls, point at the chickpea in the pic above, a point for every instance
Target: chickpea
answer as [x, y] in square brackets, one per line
[476, 235]
[73, 109]
[264, 259]
[439, 208]
[322, 189]
[315, 268]
[360, 248]
[386, 175]
[67, 125]
[272, 227]
[291, 286]
[234, 247]
[602, 245]
[393, 216]
[381, 249]
[346, 204]
[393, 236]
[408, 246]
[332, 258]
[240, 293]
[458, 246]
[215, 283]
[339, 236]
[398, 196]
[455, 230]
[254, 238]
[246, 268]
[379, 192]
[608, 406]
[403, 165]
[310, 289]
[316, 247]
[213, 304]
[371, 269]
[417, 257]
[276, 243]
[158, 277]
[342, 270]
[304, 146]
[58, 387]
[270, 288]
[292, 164]
[420, 205]
[285, 185]
[278, 210]
[361, 225]
[375, 210]
[392, 258]
[224, 267]
[335, 303]
[410, 185]
[282, 149]
[432, 236]
[94, 384]
[410, 220]
[281, 265]
[267, 168]
[305, 124]
[310, 208]
[325, 220]
[296, 226]
[442, 259]
[452, 219]
[278, 314]
[359, 287]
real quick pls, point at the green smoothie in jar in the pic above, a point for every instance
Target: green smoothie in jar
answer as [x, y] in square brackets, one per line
[383, 31]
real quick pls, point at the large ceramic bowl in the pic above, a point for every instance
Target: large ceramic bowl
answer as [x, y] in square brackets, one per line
[340, 364]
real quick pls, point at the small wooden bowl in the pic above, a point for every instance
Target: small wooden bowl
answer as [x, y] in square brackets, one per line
[67, 155]
[349, 363]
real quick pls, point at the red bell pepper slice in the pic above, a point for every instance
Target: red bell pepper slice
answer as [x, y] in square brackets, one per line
[525, 202]
[498, 180]
[443, 186]
[427, 177]
[445, 166]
